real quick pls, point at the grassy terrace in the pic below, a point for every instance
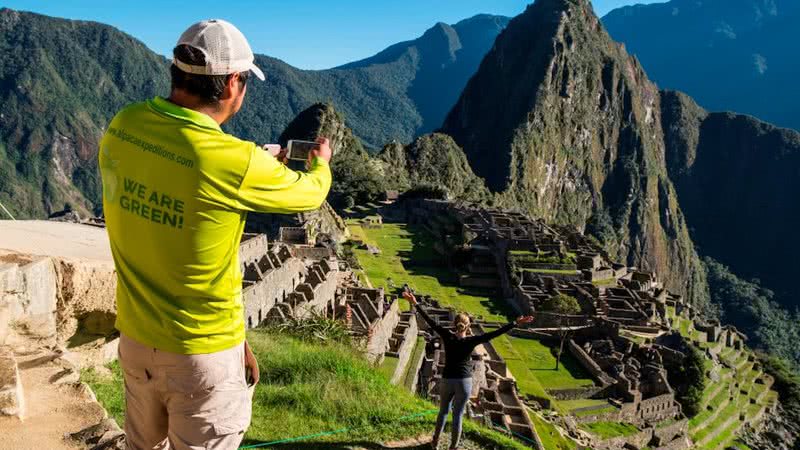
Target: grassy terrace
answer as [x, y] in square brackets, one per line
[721, 399]
[388, 366]
[308, 388]
[407, 256]
[607, 430]
[531, 362]
[549, 434]
[601, 406]
[533, 365]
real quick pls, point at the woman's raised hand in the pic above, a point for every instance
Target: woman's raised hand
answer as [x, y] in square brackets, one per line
[410, 297]
[523, 320]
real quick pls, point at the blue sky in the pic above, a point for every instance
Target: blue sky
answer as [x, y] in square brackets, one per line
[310, 34]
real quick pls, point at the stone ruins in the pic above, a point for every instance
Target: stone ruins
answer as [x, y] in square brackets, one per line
[623, 335]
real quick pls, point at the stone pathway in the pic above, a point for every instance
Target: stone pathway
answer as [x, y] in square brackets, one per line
[423, 443]
[54, 405]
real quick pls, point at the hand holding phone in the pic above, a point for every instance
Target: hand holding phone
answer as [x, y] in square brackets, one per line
[276, 151]
[300, 150]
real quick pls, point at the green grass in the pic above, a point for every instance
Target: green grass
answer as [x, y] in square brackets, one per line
[594, 412]
[607, 430]
[419, 351]
[388, 366]
[548, 433]
[741, 445]
[582, 403]
[108, 390]
[602, 405]
[310, 388]
[533, 365]
[407, 256]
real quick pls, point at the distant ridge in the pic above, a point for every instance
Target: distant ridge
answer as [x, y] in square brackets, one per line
[728, 55]
[61, 81]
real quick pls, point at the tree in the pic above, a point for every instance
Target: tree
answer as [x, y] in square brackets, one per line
[689, 380]
[562, 305]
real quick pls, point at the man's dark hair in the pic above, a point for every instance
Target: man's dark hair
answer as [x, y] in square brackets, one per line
[208, 87]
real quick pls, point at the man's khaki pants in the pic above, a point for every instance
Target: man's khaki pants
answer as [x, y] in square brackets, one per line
[184, 402]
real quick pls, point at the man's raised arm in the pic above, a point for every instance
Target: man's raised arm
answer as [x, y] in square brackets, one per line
[270, 186]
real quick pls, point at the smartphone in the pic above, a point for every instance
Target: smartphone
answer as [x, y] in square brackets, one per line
[299, 150]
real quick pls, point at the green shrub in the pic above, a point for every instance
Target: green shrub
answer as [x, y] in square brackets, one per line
[689, 380]
[316, 328]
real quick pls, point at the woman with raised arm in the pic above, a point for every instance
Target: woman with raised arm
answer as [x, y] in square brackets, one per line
[456, 384]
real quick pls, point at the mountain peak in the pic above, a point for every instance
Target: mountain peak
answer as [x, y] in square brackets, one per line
[440, 39]
[565, 124]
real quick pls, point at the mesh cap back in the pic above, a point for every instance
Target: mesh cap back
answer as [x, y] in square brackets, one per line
[225, 48]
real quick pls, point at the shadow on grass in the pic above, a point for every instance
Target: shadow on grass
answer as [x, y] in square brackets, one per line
[424, 260]
[568, 362]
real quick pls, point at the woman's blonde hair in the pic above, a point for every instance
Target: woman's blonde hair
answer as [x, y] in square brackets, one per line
[462, 323]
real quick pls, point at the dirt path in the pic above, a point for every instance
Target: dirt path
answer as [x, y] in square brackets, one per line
[52, 409]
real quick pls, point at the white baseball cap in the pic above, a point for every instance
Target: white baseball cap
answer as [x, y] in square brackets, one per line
[225, 48]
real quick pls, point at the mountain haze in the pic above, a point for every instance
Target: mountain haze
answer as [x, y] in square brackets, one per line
[729, 55]
[737, 180]
[400, 93]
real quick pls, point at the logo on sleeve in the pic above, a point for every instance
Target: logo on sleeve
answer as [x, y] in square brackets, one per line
[110, 177]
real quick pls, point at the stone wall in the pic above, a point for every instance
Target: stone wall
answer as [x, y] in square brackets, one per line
[293, 235]
[274, 286]
[315, 253]
[86, 298]
[658, 408]
[680, 443]
[28, 297]
[406, 348]
[252, 247]
[589, 364]
[318, 290]
[575, 393]
[380, 332]
[664, 435]
[638, 440]
[56, 298]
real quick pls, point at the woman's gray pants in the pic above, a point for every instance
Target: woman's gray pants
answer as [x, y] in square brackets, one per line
[457, 392]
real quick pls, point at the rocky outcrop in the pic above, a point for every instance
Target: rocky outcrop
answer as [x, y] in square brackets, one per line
[433, 160]
[567, 125]
[65, 299]
[355, 174]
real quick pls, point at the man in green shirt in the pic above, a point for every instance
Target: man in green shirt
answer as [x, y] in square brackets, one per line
[176, 193]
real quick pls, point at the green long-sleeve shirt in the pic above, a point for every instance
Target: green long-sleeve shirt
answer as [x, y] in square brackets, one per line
[176, 192]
